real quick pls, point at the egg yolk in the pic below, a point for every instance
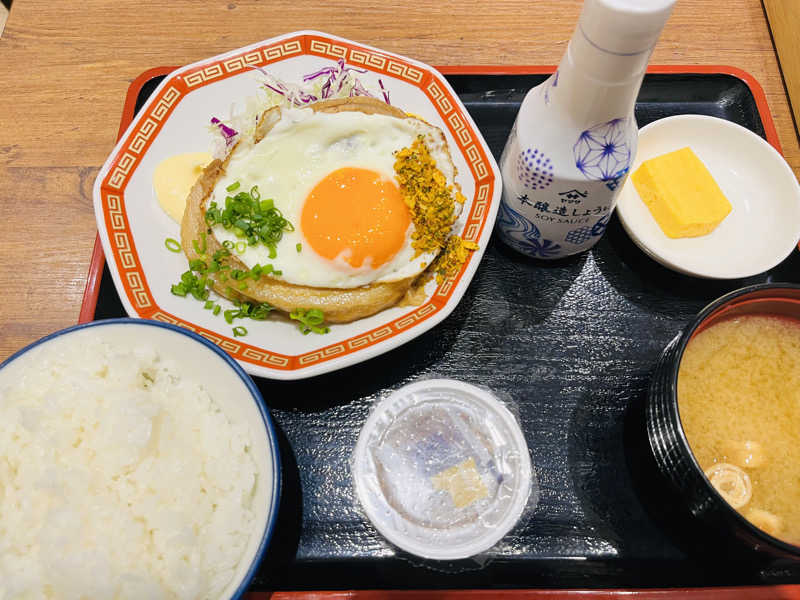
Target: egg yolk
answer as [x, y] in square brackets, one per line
[357, 214]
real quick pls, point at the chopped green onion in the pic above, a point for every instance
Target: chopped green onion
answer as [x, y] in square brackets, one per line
[259, 312]
[239, 331]
[198, 265]
[314, 316]
[197, 247]
[250, 218]
[241, 247]
[309, 320]
[232, 187]
[191, 284]
[197, 281]
[227, 244]
[299, 246]
[244, 310]
[172, 245]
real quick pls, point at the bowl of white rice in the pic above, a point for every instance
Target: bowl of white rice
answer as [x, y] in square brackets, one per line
[137, 460]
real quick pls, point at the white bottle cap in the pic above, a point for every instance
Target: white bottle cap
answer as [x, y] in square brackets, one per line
[624, 27]
[615, 38]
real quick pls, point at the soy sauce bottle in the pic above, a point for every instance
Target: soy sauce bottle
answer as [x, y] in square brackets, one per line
[575, 135]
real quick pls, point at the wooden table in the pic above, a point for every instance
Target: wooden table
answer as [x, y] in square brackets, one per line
[65, 68]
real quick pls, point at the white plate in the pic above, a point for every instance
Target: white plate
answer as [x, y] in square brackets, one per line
[175, 119]
[762, 228]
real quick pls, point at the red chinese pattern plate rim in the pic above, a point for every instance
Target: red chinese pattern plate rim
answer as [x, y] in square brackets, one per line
[119, 239]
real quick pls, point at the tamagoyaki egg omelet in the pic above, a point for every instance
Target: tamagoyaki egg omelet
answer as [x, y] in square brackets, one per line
[332, 177]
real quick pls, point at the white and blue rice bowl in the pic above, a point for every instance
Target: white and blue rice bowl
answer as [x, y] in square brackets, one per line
[230, 387]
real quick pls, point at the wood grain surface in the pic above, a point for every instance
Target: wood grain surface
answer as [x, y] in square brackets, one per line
[65, 68]
[784, 22]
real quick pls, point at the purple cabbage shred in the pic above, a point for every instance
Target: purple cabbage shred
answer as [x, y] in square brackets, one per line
[384, 91]
[227, 132]
[337, 77]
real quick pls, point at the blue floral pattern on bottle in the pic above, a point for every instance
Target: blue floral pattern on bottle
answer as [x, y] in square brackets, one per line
[534, 169]
[602, 153]
[514, 224]
[599, 228]
[579, 235]
[615, 181]
[522, 235]
[543, 248]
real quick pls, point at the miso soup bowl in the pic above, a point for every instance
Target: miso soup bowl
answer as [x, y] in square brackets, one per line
[666, 436]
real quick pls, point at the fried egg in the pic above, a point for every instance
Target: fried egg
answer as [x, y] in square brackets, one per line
[332, 176]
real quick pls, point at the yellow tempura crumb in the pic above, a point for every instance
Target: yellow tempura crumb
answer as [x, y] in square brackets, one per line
[453, 257]
[432, 205]
[463, 482]
[428, 197]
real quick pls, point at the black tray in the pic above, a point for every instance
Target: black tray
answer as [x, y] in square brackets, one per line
[571, 343]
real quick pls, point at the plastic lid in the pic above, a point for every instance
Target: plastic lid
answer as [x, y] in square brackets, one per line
[442, 469]
[624, 26]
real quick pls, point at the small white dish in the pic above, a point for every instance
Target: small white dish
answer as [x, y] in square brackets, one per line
[762, 229]
[442, 469]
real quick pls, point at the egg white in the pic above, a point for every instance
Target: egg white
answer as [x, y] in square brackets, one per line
[300, 150]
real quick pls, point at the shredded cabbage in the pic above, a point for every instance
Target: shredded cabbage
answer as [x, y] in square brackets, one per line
[336, 81]
[229, 133]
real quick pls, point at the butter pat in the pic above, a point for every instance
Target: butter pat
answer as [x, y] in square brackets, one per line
[463, 482]
[681, 194]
